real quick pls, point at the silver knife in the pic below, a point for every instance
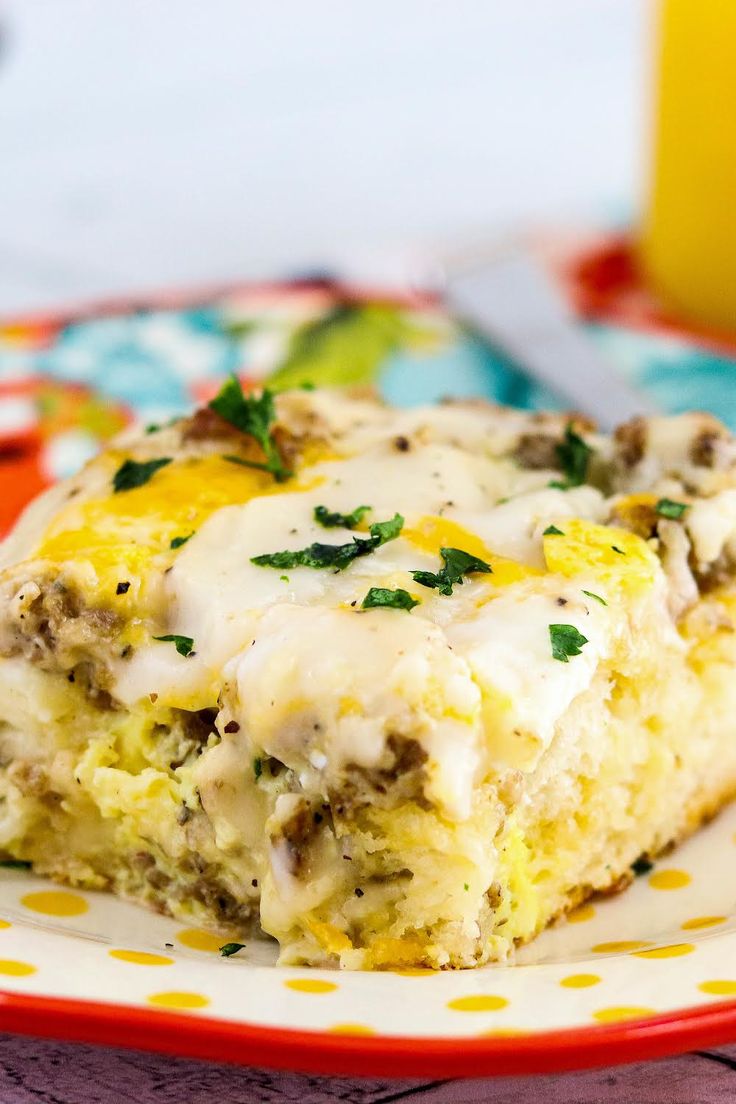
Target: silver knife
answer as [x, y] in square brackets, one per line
[511, 302]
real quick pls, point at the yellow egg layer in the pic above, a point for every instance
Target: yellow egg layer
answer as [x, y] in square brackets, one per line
[617, 558]
[120, 534]
[431, 533]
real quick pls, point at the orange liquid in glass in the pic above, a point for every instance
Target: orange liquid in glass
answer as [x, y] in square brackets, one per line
[688, 244]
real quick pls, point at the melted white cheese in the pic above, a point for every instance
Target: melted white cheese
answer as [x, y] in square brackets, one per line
[295, 644]
[343, 682]
[507, 645]
[711, 523]
[514, 528]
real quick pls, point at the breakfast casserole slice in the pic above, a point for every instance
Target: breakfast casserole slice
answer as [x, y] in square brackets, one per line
[395, 687]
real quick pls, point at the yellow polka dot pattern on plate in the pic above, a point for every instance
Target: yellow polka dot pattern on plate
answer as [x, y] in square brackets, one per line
[483, 1002]
[10, 968]
[702, 922]
[622, 1012]
[620, 946]
[310, 985]
[180, 1000]
[199, 940]
[626, 966]
[142, 958]
[579, 981]
[581, 914]
[719, 988]
[350, 1029]
[669, 879]
[674, 950]
[55, 902]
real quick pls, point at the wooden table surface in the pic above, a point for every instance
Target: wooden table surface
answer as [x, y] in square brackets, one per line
[36, 1071]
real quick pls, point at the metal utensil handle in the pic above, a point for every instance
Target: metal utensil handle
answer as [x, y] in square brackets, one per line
[512, 303]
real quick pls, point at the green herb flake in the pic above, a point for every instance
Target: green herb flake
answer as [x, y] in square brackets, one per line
[597, 597]
[184, 644]
[338, 556]
[566, 641]
[385, 531]
[553, 531]
[257, 768]
[15, 864]
[253, 415]
[177, 542]
[378, 597]
[456, 564]
[229, 949]
[668, 509]
[615, 548]
[574, 455]
[466, 886]
[132, 474]
[232, 459]
[335, 520]
[154, 427]
[642, 866]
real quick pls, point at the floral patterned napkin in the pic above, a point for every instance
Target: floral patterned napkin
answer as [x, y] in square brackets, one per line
[69, 383]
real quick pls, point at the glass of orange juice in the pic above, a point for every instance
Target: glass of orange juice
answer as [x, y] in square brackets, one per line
[688, 244]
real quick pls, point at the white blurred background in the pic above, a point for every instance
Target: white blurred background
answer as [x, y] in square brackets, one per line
[155, 143]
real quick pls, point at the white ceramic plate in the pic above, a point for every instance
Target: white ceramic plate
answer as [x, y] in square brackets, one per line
[634, 962]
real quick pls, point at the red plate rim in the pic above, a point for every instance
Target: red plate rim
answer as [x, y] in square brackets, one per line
[191, 1035]
[196, 295]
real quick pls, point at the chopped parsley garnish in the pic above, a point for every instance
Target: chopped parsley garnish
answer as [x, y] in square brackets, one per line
[573, 455]
[669, 509]
[229, 949]
[642, 866]
[597, 597]
[335, 520]
[456, 564]
[257, 768]
[566, 642]
[383, 531]
[183, 644]
[232, 459]
[133, 474]
[391, 599]
[177, 542]
[154, 427]
[615, 548]
[253, 415]
[15, 864]
[320, 556]
[552, 531]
